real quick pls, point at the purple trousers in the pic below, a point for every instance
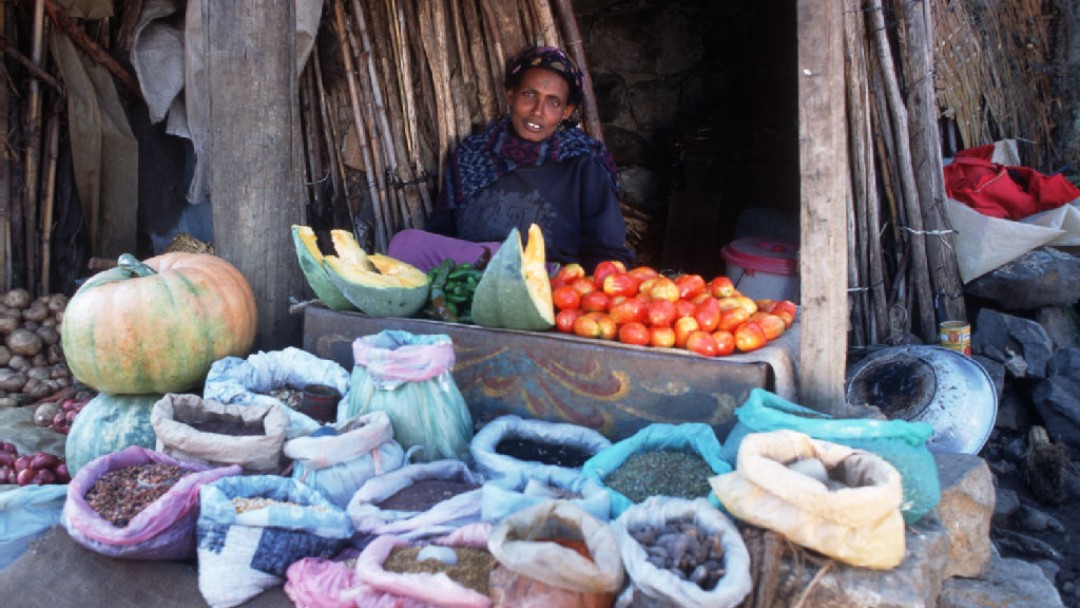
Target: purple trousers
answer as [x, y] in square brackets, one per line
[425, 250]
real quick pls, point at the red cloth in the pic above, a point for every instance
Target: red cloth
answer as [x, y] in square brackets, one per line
[1004, 191]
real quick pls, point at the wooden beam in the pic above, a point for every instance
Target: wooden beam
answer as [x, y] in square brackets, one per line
[824, 191]
[256, 177]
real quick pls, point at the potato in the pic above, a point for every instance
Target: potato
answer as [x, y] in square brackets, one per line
[37, 389]
[11, 380]
[54, 353]
[24, 342]
[9, 322]
[40, 360]
[57, 302]
[19, 363]
[17, 298]
[59, 371]
[48, 334]
[36, 312]
[39, 373]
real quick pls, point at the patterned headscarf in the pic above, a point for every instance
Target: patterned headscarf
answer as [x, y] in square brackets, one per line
[549, 58]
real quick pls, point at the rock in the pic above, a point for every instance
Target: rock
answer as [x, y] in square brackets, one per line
[1006, 503]
[996, 371]
[1009, 583]
[1058, 402]
[1021, 344]
[1059, 326]
[967, 505]
[639, 189]
[1014, 409]
[917, 581]
[1039, 278]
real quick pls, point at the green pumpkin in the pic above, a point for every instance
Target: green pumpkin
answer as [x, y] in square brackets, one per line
[515, 291]
[378, 285]
[109, 423]
[318, 277]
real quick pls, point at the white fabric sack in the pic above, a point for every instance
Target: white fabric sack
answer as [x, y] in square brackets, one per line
[654, 588]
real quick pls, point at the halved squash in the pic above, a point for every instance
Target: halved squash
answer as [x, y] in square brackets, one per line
[515, 291]
[378, 285]
[311, 262]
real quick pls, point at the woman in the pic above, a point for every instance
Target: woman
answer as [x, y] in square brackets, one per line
[532, 166]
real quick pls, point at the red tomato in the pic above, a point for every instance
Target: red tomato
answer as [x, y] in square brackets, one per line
[566, 298]
[661, 336]
[595, 301]
[634, 333]
[702, 343]
[564, 321]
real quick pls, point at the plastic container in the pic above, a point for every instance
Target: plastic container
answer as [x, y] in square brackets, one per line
[763, 267]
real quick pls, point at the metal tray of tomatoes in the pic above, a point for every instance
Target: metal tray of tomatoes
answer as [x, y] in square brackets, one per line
[614, 388]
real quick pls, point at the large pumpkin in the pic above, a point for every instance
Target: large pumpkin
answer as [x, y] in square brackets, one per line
[107, 424]
[157, 326]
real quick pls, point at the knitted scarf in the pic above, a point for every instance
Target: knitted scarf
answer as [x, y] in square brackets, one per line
[482, 159]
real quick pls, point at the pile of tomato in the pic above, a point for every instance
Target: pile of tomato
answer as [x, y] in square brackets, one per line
[644, 307]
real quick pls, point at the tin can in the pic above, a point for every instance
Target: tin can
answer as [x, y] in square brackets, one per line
[320, 402]
[955, 335]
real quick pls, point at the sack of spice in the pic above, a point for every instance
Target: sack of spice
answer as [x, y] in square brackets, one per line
[659, 460]
[138, 504]
[338, 463]
[839, 501]
[277, 377]
[680, 552]
[251, 528]
[519, 490]
[318, 582]
[554, 554]
[901, 442]
[409, 377]
[510, 444]
[394, 573]
[418, 500]
[191, 428]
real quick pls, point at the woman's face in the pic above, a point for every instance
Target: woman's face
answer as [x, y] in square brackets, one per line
[538, 104]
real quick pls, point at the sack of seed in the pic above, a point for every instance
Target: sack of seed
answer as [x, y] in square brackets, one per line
[338, 462]
[659, 460]
[836, 500]
[138, 504]
[554, 554]
[418, 500]
[191, 428]
[394, 573]
[276, 377]
[509, 444]
[680, 552]
[520, 490]
[251, 528]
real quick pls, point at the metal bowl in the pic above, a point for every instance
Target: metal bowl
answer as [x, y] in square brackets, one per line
[943, 387]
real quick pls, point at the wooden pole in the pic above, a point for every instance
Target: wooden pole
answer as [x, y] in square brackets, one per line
[590, 116]
[32, 152]
[824, 192]
[381, 238]
[255, 172]
[52, 139]
[914, 233]
[917, 44]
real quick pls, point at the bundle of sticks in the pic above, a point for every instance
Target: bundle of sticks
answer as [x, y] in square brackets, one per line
[417, 78]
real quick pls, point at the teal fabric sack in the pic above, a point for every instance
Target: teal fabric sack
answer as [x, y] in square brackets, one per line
[409, 377]
[900, 442]
[26, 513]
[694, 437]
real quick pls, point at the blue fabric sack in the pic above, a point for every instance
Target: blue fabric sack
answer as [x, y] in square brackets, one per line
[695, 437]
